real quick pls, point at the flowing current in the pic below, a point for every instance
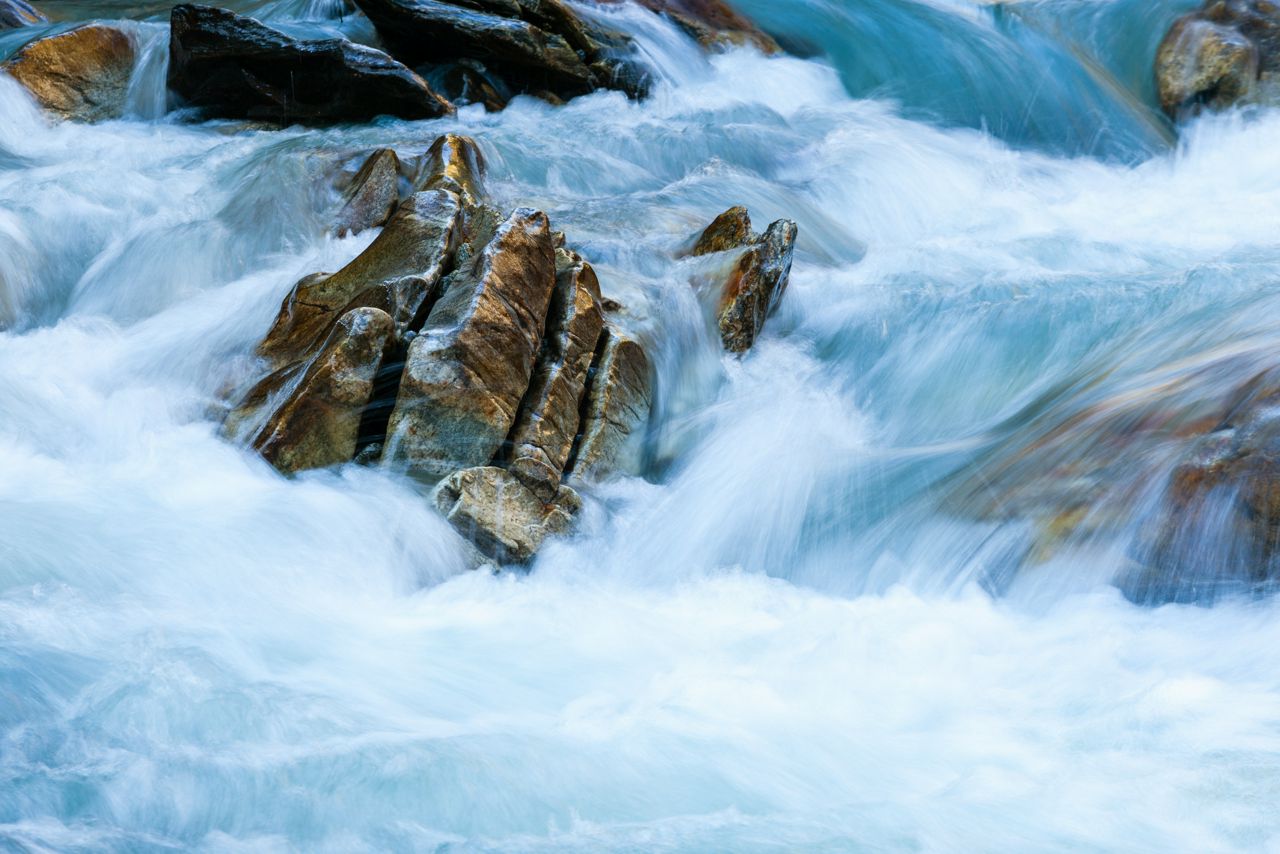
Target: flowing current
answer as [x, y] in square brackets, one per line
[782, 635]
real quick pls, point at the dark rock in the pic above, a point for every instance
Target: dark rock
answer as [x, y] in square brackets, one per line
[500, 515]
[236, 67]
[316, 423]
[468, 370]
[1225, 53]
[467, 82]
[548, 422]
[373, 195]
[713, 23]
[82, 74]
[18, 13]
[618, 397]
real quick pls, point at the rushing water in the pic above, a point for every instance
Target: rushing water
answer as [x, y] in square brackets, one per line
[782, 637]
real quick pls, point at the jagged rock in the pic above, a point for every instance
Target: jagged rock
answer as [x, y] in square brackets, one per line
[318, 419]
[373, 195]
[618, 397]
[82, 74]
[730, 230]
[236, 67]
[468, 369]
[399, 272]
[1225, 53]
[500, 515]
[18, 13]
[750, 289]
[548, 422]
[713, 23]
[454, 163]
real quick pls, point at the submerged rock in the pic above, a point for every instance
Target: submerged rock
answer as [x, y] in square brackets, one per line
[500, 515]
[318, 420]
[1225, 53]
[81, 74]
[748, 290]
[468, 369]
[236, 67]
[18, 13]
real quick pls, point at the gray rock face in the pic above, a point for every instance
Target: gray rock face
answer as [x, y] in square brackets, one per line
[236, 67]
[548, 423]
[500, 515]
[317, 422]
[82, 74]
[468, 369]
[618, 399]
[373, 195]
[18, 13]
[1225, 53]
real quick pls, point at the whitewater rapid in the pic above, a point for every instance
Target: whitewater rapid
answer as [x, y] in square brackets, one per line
[776, 640]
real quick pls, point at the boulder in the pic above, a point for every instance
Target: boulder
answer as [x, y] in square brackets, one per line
[373, 195]
[548, 421]
[748, 289]
[81, 74]
[455, 163]
[1225, 53]
[318, 418]
[468, 369]
[235, 67]
[618, 397]
[18, 13]
[500, 515]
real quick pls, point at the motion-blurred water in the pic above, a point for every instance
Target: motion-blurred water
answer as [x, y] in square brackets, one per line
[783, 637]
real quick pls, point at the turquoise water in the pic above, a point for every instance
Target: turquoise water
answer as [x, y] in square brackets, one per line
[794, 630]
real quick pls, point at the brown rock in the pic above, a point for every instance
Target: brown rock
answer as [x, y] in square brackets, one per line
[548, 421]
[713, 23]
[1200, 63]
[754, 287]
[399, 272]
[730, 230]
[373, 194]
[82, 74]
[455, 163]
[18, 13]
[318, 420]
[617, 404]
[469, 368]
[498, 513]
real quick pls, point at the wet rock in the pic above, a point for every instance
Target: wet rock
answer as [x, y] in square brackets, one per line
[422, 31]
[714, 24]
[236, 67]
[548, 422]
[82, 74]
[468, 370]
[399, 273]
[500, 515]
[1225, 53]
[750, 288]
[455, 163]
[467, 82]
[373, 195]
[318, 419]
[18, 13]
[618, 397]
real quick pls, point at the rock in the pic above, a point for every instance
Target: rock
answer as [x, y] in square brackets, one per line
[81, 74]
[618, 397]
[468, 369]
[18, 13]
[1225, 53]
[422, 31]
[714, 24]
[454, 163]
[755, 286]
[501, 516]
[467, 82]
[235, 67]
[548, 421]
[373, 195]
[730, 230]
[399, 272]
[318, 421]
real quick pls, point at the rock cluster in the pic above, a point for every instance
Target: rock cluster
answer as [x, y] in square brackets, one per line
[754, 278]
[469, 349]
[80, 74]
[1226, 52]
